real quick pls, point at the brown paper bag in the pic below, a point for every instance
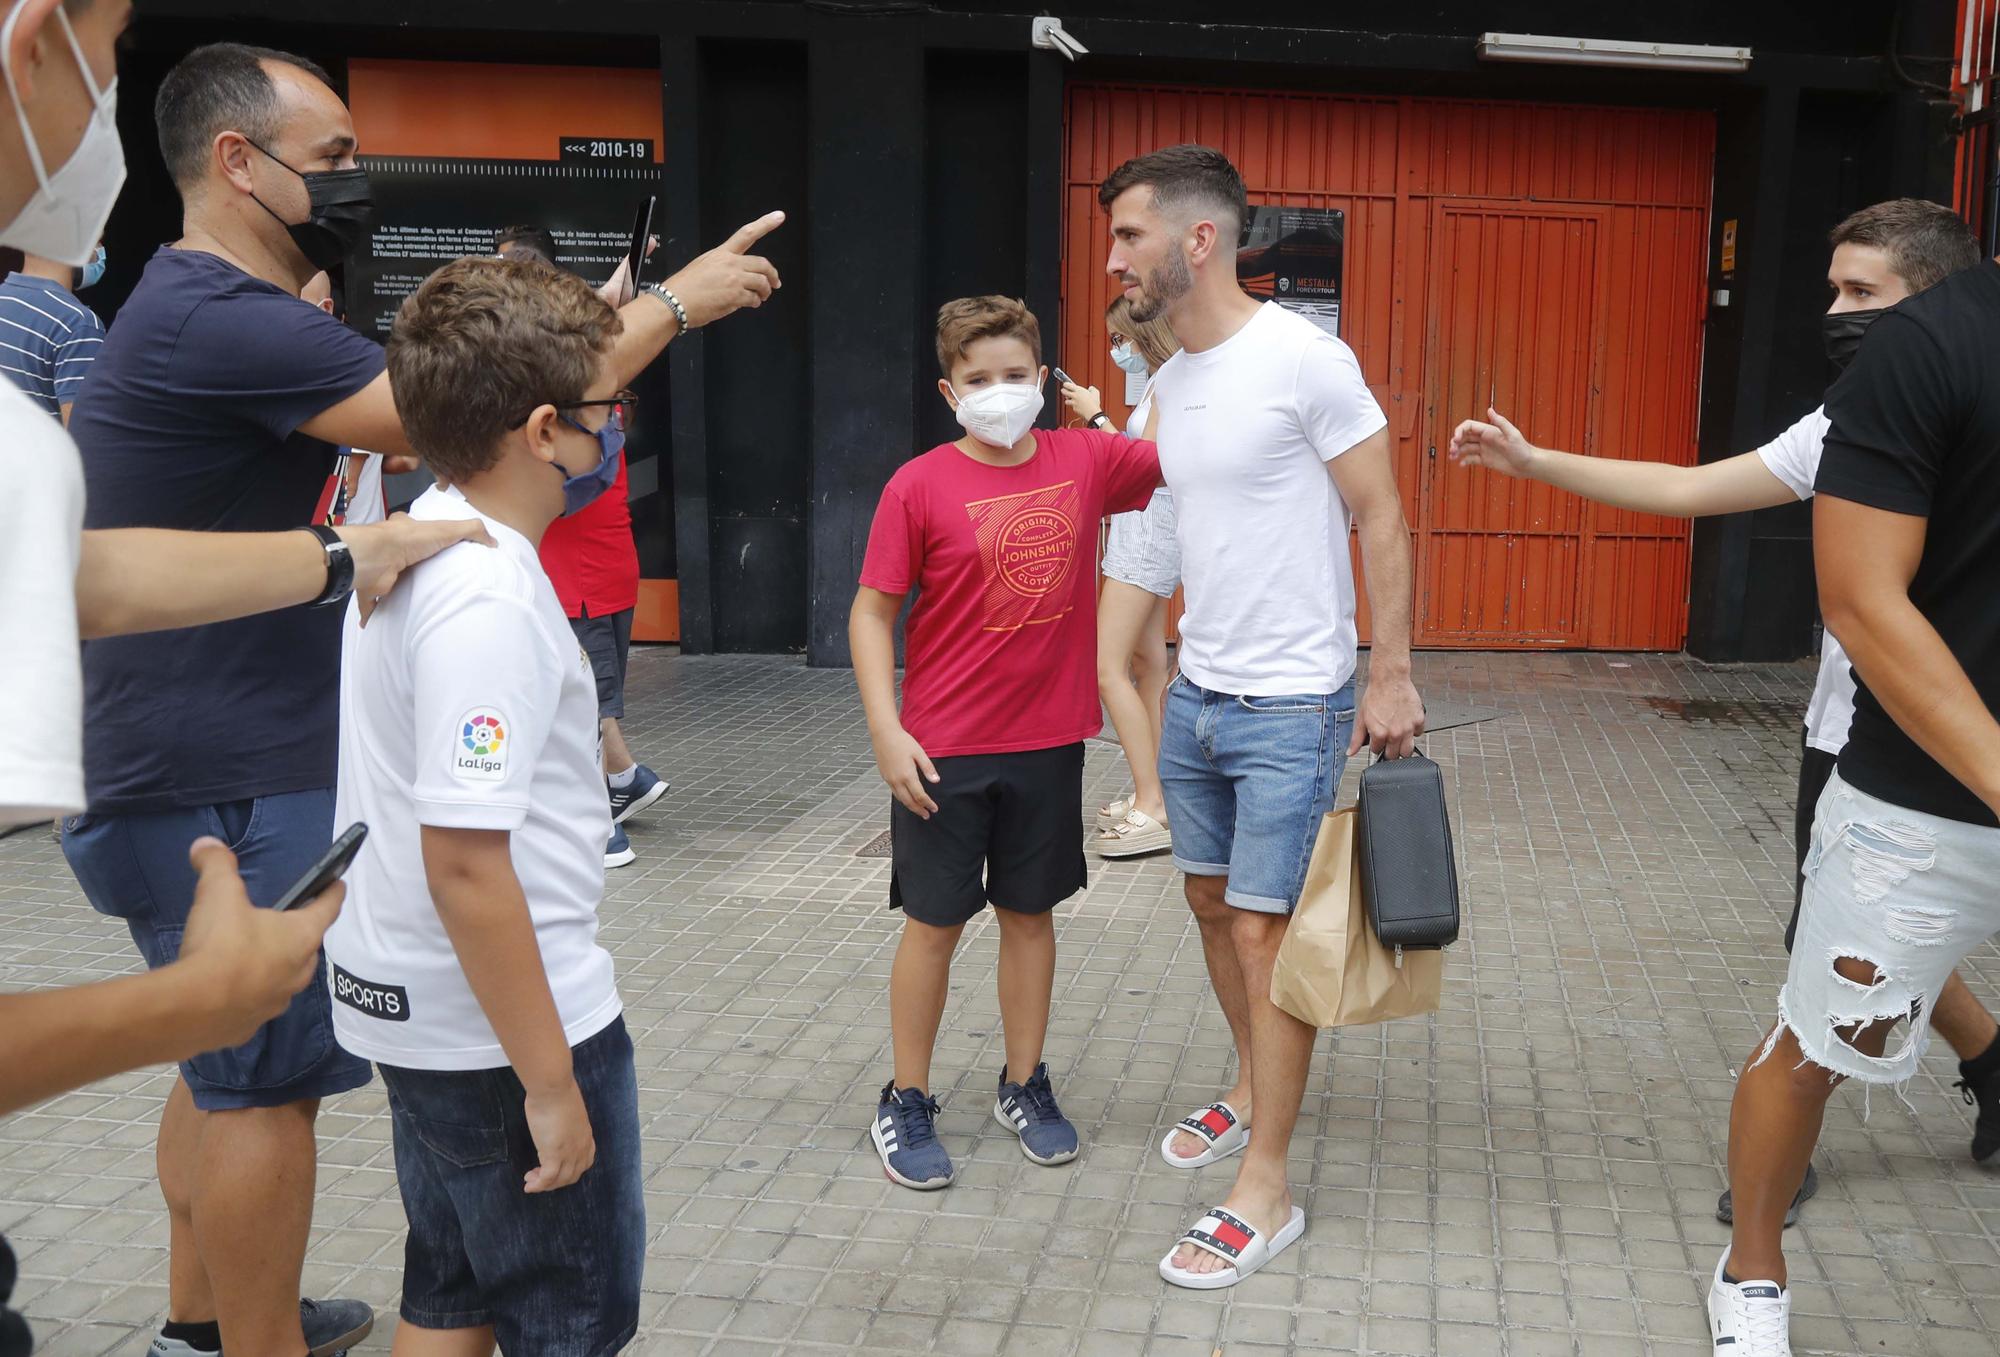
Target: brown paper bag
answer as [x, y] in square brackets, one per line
[1331, 972]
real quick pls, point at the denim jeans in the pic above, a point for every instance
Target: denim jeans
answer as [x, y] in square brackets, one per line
[555, 1273]
[1248, 780]
[134, 867]
[1908, 893]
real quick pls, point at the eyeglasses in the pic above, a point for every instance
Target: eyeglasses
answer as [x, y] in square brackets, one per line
[620, 405]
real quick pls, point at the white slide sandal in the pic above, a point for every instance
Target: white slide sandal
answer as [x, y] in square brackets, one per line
[1218, 1124]
[1236, 1243]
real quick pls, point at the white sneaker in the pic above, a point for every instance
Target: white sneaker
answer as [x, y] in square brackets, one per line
[1749, 1319]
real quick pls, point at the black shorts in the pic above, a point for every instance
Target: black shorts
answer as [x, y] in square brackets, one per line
[1815, 767]
[606, 640]
[1008, 831]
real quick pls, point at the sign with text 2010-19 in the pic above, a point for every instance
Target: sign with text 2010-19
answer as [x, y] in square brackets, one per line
[615, 150]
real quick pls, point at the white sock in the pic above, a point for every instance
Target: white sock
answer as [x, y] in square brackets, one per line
[620, 781]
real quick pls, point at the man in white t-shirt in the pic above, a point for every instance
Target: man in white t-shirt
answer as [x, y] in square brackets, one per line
[1881, 255]
[1271, 444]
[467, 966]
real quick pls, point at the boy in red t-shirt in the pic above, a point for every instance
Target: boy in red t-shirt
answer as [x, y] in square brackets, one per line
[997, 531]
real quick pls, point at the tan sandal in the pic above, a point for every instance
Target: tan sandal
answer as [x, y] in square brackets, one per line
[1136, 836]
[1112, 814]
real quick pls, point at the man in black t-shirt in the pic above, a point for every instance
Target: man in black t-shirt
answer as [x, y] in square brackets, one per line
[1906, 842]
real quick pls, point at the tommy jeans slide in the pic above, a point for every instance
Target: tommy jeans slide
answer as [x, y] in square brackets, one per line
[1218, 1124]
[1235, 1242]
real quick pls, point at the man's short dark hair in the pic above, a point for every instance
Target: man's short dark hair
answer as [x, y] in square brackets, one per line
[222, 87]
[534, 241]
[1188, 182]
[1923, 242]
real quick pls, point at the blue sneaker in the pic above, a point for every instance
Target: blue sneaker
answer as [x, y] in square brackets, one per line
[331, 1328]
[1029, 1110]
[646, 788]
[905, 1135]
[618, 849]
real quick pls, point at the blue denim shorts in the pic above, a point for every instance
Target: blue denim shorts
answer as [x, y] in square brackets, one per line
[555, 1273]
[135, 868]
[1248, 780]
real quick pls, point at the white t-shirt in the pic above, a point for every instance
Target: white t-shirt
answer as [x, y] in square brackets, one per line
[466, 702]
[366, 505]
[1793, 457]
[1135, 427]
[1246, 429]
[41, 543]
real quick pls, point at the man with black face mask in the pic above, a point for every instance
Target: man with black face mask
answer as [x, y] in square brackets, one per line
[1881, 255]
[217, 402]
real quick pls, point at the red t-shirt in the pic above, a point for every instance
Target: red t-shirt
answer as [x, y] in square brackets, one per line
[1001, 647]
[590, 555]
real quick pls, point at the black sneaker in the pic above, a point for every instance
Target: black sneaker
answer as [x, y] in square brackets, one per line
[1725, 1211]
[1984, 1094]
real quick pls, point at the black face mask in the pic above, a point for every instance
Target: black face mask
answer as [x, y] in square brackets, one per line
[1842, 334]
[342, 207]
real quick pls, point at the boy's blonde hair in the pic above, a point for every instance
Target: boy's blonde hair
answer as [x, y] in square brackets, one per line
[962, 323]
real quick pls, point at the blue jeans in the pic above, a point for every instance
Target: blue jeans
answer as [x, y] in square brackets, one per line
[1248, 780]
[135, 868]
[555, 1273]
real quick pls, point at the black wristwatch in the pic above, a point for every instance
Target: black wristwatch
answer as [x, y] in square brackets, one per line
[339, 567]
[1098, 421]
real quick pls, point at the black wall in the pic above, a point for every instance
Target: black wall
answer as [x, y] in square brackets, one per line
[975, 202]
[759, 418]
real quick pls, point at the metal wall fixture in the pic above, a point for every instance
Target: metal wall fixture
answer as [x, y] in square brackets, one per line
[1659, 56]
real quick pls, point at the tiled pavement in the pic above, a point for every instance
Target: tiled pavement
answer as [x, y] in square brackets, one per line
[1532, 1172]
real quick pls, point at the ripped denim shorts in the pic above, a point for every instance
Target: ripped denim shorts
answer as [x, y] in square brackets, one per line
[1909, 893]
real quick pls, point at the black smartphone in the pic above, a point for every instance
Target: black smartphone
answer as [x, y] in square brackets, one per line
[642, 232]
[1064, 377]
[327, 870]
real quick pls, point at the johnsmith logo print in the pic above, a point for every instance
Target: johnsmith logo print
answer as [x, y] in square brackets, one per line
[1028, 546]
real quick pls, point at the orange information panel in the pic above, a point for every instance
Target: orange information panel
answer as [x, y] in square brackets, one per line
[459, 151]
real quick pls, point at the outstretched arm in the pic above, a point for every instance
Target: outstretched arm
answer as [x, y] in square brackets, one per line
[152, 579]
[1730, 486]
[725, 280]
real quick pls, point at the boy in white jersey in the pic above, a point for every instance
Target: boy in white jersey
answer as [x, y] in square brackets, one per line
[467, 966]
[1271, 444]
[1881, 255]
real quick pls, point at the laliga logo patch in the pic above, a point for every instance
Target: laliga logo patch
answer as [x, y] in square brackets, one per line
[480, 751]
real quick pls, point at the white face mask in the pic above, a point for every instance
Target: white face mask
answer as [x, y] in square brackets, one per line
[1130, 360]
[1000, 415]
[65, 217]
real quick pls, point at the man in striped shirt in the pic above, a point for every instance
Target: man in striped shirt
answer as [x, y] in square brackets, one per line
[47, 337]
